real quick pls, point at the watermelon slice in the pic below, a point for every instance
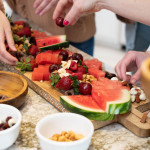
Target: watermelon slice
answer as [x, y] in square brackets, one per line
[96, 73]
[107, 93]
[37, 76]
[50, 57]
[86, 106]
[38, 34]
[93, 63]
[52, 42]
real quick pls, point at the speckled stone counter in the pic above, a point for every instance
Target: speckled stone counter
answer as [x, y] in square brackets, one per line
[112, 137]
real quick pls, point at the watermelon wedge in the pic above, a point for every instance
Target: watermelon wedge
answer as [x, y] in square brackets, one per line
[48, 57]
[86, 106]
[93, 63]
[111, 96]
[52, 42]
[96, 73]
[38, 34]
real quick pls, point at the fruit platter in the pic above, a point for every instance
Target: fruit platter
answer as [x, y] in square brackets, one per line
[73, 81]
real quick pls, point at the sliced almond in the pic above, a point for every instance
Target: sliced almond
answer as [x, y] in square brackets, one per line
[124, 83]
[137, 99]
[144, 117]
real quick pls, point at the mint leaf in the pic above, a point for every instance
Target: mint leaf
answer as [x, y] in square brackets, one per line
[54, 78]
[16, 38]
[25, 46]
[28, 60]
[86, 68]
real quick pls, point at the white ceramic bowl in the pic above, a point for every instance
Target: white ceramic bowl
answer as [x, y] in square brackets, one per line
[55, 123]
[9, 136]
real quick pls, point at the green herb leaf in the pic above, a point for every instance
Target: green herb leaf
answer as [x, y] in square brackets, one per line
[16, 38]
[28, 60]
[86, 68]
[80, 62]
[25, 46]
[54, 78]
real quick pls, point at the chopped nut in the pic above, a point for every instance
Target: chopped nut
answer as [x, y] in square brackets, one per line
[144, 117]
[137, 98]
[124, 83]
[66, 136]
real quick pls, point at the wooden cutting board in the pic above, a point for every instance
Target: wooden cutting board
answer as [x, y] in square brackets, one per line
[130, 120]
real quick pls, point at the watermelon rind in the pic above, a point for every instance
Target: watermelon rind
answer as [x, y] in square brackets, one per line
[93, 114]
[55, 46]
[120, 106]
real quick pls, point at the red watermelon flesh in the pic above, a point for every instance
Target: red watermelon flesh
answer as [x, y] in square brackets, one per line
[85, 101]
[48, 41]
[55, 59]
[106, 90]
[101, 97]
[37, 76]
[93, 63]
[96, 73]
[38, 34]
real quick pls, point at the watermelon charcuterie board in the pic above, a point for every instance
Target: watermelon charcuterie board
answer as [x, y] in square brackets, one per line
[130, 120]
[73, 81]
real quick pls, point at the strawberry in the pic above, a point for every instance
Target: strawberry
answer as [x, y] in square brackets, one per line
[64, 83]
[78, 74]
[24, 31]
[33, 50]
[73, 66]
[69, 71]
[81, 69]
[25, 24]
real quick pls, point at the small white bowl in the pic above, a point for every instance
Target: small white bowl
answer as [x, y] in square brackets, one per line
[56, 123]
[9, 136]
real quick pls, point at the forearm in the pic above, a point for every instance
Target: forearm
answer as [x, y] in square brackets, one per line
[137, 10]
[2, 6]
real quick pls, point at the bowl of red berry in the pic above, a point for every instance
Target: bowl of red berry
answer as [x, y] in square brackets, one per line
[10, 120]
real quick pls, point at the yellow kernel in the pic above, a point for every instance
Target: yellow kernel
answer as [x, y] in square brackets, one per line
[63, 133]
[79, 136]
[61, 138]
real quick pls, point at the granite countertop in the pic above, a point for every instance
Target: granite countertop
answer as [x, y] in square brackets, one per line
[111, 137]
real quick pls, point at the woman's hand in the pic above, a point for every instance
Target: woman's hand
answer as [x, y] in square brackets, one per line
[75, 8]
[131, 62]
[42, 6]
[5, 32]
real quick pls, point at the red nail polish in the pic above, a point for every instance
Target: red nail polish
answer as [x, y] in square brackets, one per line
[66, 22]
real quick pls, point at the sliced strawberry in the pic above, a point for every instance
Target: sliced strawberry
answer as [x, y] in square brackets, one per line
[78, 74]
[69, 71]
[24, 32]
[65, 83]
[33, 50]
[81, 69]
[73, 66]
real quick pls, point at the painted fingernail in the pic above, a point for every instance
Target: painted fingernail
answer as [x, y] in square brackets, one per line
[66, 22]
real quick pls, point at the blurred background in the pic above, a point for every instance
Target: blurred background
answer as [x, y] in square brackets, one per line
[109, 38]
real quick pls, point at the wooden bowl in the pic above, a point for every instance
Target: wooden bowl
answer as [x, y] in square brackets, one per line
[14, 86]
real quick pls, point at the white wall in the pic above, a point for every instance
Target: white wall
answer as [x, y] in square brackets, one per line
[110, 31]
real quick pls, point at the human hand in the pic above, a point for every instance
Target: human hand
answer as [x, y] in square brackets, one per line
[42, 6]
[5, 32]
[75, 8]
[131, 62]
